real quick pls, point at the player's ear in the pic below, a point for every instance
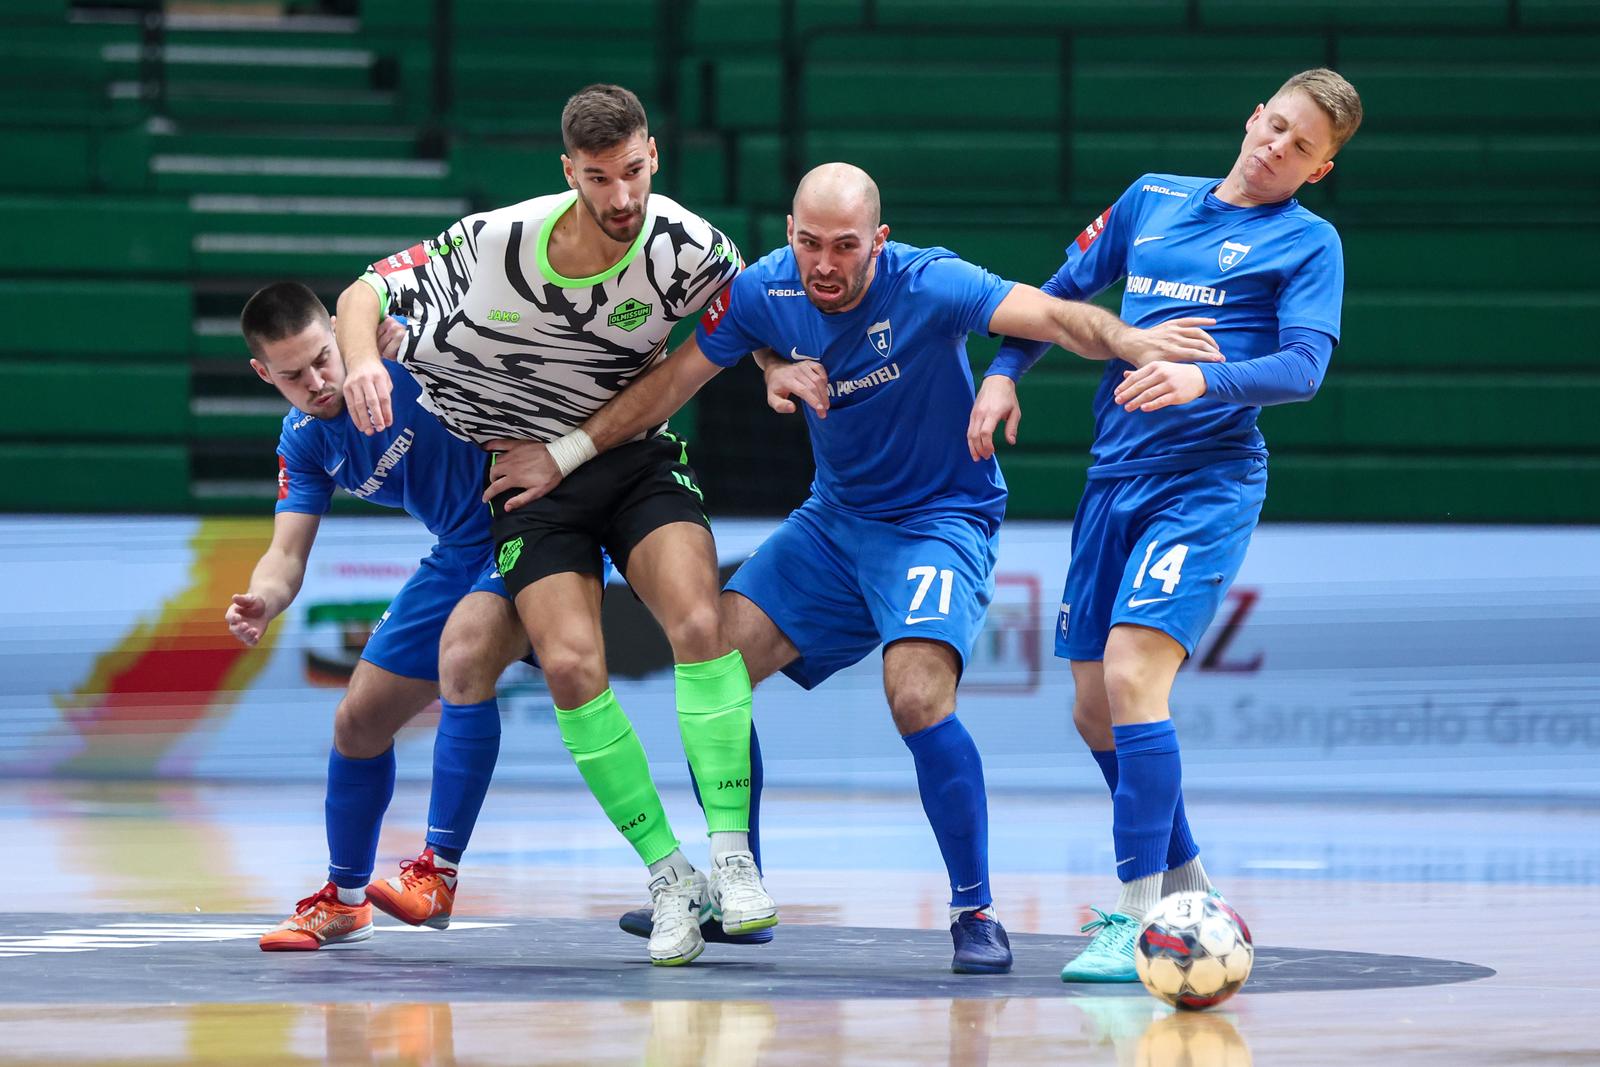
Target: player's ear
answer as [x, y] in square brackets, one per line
[566, 171]
[879, 237]
[1320, 173]
[1256, 114]
[655, 160]
[789, 229]
[261, 370]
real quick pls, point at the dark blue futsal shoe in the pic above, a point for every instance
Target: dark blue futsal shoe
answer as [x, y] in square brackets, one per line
[982, 946]
[637, 923]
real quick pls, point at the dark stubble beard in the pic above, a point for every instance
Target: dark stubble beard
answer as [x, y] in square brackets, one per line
[851, 292]
[605, 227]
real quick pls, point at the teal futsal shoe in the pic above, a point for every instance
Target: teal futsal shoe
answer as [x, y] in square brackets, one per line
[1109, 955]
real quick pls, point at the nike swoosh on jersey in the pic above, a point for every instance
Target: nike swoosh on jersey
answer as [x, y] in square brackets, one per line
[336, 467]
[922, 618]
[1134, 602]
[796, 354]
[964, 888]
[1137, 241]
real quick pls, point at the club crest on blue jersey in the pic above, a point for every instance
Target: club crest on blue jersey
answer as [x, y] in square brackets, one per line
[1231, 254]
[881, 336]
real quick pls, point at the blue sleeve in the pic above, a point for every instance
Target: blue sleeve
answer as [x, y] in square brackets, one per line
[303, 486]
[1312, 296]
[964, 294]
[729, 328]
[1292, 373]
[1095, 260]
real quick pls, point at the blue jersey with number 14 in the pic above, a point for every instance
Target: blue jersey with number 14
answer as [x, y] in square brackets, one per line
[900, 392]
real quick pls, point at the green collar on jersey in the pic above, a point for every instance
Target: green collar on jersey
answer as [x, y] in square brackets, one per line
[555, 277]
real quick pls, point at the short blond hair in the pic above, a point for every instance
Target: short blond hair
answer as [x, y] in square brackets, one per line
[1336, 97]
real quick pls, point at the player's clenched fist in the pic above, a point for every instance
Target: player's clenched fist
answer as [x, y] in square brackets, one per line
[1159, 385]
[1180, 340]
[247, 618]
[805, 380]
[996, 403]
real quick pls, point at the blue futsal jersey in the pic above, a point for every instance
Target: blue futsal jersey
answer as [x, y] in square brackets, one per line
[415, 465]
[1272, 277]
[900, 390]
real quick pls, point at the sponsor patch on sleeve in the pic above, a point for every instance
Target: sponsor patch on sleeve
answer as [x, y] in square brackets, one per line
[1087, 236]
[717, 310]
[411, 258]
[283, 479]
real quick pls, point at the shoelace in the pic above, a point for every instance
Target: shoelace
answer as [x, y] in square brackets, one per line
[739, 876]
[328, 894]
[980, 927]
[414, 871]
[1104, 923]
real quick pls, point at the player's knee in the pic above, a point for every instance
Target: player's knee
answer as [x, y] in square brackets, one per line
[696, 635]
[466, 673]
[1130, 682]
[1092, 717]
[917, 707]
[356, 732]
[575, 675]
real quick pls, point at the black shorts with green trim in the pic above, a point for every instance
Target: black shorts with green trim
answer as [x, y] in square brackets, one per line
[611, 503]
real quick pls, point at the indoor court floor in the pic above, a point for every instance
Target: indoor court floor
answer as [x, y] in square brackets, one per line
[1387, 932]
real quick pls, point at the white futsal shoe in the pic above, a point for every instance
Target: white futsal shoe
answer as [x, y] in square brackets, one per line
[737, 897]
[675, 923]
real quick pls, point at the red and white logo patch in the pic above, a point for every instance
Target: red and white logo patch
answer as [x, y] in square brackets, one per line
[717, 310]
[413, 257]
[283, 479]
[1093, 230]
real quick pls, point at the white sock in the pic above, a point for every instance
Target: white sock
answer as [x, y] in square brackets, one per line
[956, 913]
[675, 862]
[1139, 896]
[1189, 878]
[726, 841]
[448, 879]
[352, 896]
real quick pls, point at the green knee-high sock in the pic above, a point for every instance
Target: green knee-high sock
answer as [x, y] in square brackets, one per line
[714, 720]
[612, 761]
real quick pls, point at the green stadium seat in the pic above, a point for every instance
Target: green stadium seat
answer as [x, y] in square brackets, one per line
[1529, 258]
[66, 401]
[1425, 169]
[60, 160]
[110, 319]
[1024, 14]
[1432, 14]
[1431, 488]
[1517, 98]
[947, 167]
[98, 477]
[97, 236]
[1453, 331]
[1584, 14]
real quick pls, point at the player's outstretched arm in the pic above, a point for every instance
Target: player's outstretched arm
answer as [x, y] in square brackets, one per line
[366, 383]
[276, 580]
[537, 468]
[1094, 333]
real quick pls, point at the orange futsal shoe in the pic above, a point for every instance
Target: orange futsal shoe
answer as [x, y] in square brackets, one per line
[318, 920]
[421, 896]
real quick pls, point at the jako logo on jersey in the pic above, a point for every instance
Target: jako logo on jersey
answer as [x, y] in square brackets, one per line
[1093, 230]
[881, 334]
[877, 377]
[283, 479]
[630, 315]
[387, 462]
[786, 292]
[1231, 254]
[505, 316]
[717, 309]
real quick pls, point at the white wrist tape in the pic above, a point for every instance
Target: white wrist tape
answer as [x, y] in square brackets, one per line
[572, 451]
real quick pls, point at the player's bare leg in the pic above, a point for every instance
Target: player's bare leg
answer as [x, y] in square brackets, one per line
[674, 571]
[1137, 673]
[765, 648]
[919, 680]
[360, 784]
[561, 614]
[481, 638]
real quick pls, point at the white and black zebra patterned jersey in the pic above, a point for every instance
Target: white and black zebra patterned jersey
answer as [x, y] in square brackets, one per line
[504, 346]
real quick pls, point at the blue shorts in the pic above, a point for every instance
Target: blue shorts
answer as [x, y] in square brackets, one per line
[405, 640]
[839, 585]
[1157, 550]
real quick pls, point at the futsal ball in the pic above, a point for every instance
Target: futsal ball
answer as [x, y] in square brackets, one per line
[1193, 951]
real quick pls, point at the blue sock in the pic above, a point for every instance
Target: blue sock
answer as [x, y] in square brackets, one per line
[1180, 847]
[1149, 777]
[465, 749]
[1107, 760]
[358, 794]
[755, 795]
[950, 779]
